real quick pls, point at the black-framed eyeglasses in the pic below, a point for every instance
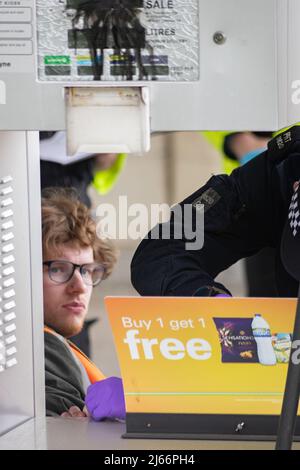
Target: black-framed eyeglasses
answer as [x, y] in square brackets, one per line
[61, 271]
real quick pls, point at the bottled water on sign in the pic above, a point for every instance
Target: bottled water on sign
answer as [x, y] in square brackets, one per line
[263, 338]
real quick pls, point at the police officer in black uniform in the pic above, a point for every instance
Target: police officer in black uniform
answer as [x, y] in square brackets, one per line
[243, 213]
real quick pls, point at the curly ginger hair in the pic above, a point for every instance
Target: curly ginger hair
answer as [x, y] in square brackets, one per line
[65, 219]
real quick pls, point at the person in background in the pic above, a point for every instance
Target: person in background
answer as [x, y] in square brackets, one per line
[79, 172]
[244, 212]
[238, 148]
[75, 261]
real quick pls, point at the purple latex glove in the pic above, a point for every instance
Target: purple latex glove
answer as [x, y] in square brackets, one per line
[105, 399]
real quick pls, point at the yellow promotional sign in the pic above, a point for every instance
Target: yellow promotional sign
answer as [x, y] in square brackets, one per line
[203, 355]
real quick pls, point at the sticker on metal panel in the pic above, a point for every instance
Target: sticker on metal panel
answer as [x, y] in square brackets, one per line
[118, 40]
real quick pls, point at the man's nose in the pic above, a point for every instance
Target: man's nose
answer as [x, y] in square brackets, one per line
[76, 282]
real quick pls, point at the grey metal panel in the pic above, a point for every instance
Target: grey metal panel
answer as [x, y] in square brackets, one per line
[237, 89]
[293, 65]
[35, 241]
[17, 388]
[72, 434]
[31, 435]
[283, 53]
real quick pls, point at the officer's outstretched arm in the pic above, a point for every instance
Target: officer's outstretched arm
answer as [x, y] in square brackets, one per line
[237, 224]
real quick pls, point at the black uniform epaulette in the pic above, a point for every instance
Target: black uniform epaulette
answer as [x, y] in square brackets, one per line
[284, 144]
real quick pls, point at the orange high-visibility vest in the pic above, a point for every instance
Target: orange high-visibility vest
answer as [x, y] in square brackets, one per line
[93, 372]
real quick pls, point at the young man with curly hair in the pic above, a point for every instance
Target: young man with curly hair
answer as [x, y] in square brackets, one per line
[74, 261]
